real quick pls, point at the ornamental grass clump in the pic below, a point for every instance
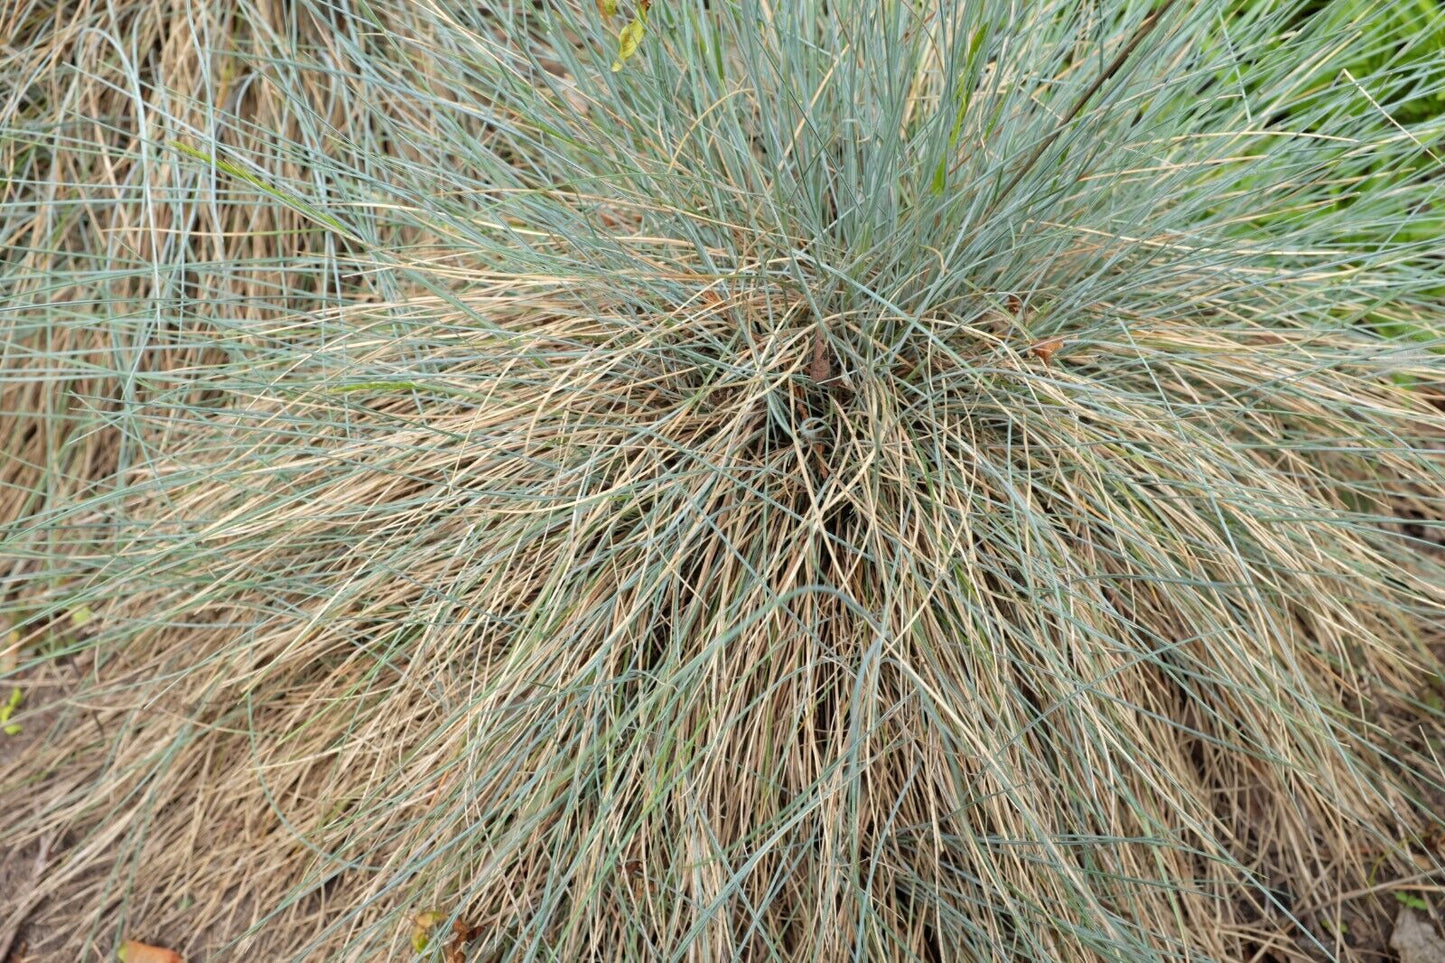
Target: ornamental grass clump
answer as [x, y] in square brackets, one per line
[859, 480]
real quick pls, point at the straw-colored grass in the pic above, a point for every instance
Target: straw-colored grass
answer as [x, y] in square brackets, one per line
[862, 481]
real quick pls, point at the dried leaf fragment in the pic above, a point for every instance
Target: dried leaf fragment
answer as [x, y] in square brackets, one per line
[1415, 939]
[462, 934]
[1044, 350]
[821, 368]
[132, 951]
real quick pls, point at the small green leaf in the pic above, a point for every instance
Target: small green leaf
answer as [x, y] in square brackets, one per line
[80, 616]
[8, 709]
[608, 8]
[629, 38]
[421, 932]
[940, 177]
[1412, 901]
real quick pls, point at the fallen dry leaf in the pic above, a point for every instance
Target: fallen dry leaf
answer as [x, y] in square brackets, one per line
[1415, 939]
[1044, 350]
[462, 934]
[821, 368]
[133, 952]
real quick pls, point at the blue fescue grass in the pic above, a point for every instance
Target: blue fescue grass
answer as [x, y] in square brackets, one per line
[862, 480]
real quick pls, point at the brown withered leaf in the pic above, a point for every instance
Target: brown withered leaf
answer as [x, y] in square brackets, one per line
[1044, 350]
[821, 368]
[1415, 939]
[132, 951]
[462, 934]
